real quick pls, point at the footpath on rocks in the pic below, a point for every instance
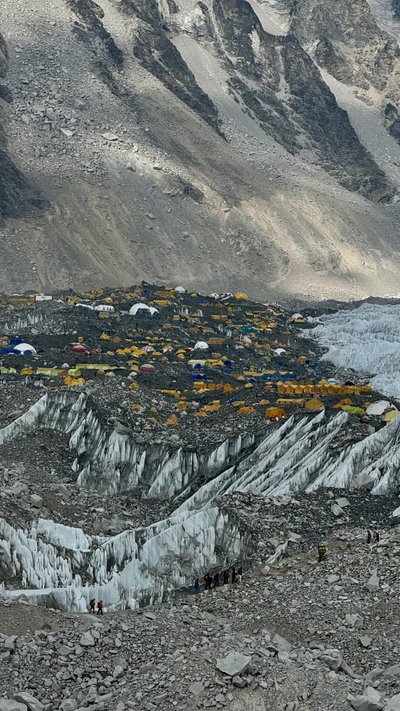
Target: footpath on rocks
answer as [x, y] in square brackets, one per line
[294, 634]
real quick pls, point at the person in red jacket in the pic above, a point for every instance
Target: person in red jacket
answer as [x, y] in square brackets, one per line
[100, 607]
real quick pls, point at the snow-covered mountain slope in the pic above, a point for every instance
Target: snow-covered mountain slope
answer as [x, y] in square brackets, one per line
[154, 131]
[365, 339]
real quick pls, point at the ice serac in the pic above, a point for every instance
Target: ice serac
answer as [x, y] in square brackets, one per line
[289, 458]
[61, 566]
[365, 339]
[110, 461]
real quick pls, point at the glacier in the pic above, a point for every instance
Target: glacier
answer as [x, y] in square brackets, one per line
[366, 340]
[63, 567]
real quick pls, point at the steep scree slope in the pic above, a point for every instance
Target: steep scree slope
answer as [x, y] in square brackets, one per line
[16, 197]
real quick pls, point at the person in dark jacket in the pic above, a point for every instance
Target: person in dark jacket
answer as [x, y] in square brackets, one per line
[233, 574]
[226, 576]
[197, 585]
[92, 606]
[216, 580]
[207, 581]
[377, 537]
[240, 574]
[369, 537]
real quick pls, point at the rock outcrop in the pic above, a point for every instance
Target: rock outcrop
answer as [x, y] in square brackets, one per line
[271, 78]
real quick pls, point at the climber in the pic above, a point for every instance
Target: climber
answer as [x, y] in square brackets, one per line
[377, 537]
[100, 607]
[240, 574]
[226, 576]
[216, 580]
[233, 574]
[197, 585]
[207, 580]
[322, 550]
[92, 604]
[369, 537]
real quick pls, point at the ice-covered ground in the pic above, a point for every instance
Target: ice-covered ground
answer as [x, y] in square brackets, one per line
[366, 339]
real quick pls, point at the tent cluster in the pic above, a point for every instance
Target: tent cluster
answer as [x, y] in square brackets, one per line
[181, 357]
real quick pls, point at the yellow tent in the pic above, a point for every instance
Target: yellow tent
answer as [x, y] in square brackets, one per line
[314, 404]
[389, 416]
[290, 401]
[353, 410]
[172, 421]
[246, 410]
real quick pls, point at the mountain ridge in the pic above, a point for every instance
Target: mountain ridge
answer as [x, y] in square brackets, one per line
[236, 160]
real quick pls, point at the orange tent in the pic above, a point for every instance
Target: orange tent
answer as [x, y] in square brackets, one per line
[342, 403]
[275, 413]
[314, 404]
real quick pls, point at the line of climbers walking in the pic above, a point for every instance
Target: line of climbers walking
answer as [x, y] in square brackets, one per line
[214, 581]
[92, 606]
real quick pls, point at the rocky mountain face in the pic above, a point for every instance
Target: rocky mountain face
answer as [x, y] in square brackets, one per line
[344, 39]
[204, 130]
[16, 196]
[272, 78]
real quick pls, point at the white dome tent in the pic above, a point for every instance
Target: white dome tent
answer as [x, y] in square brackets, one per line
[25, 349]
[133, 311]
[379, 408]
[201, 346]
[105, 308]
[180, 290]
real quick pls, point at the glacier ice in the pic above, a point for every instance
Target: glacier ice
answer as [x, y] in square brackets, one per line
[367, 340]
[62, 566]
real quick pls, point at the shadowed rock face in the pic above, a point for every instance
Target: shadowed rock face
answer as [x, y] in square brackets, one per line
[228, 151]
[347, 41]
[305, 114]
[272, 78]
[16, 196]
[396, 7]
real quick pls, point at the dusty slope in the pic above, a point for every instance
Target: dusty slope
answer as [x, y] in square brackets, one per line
[170, 199]
[17, 197]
